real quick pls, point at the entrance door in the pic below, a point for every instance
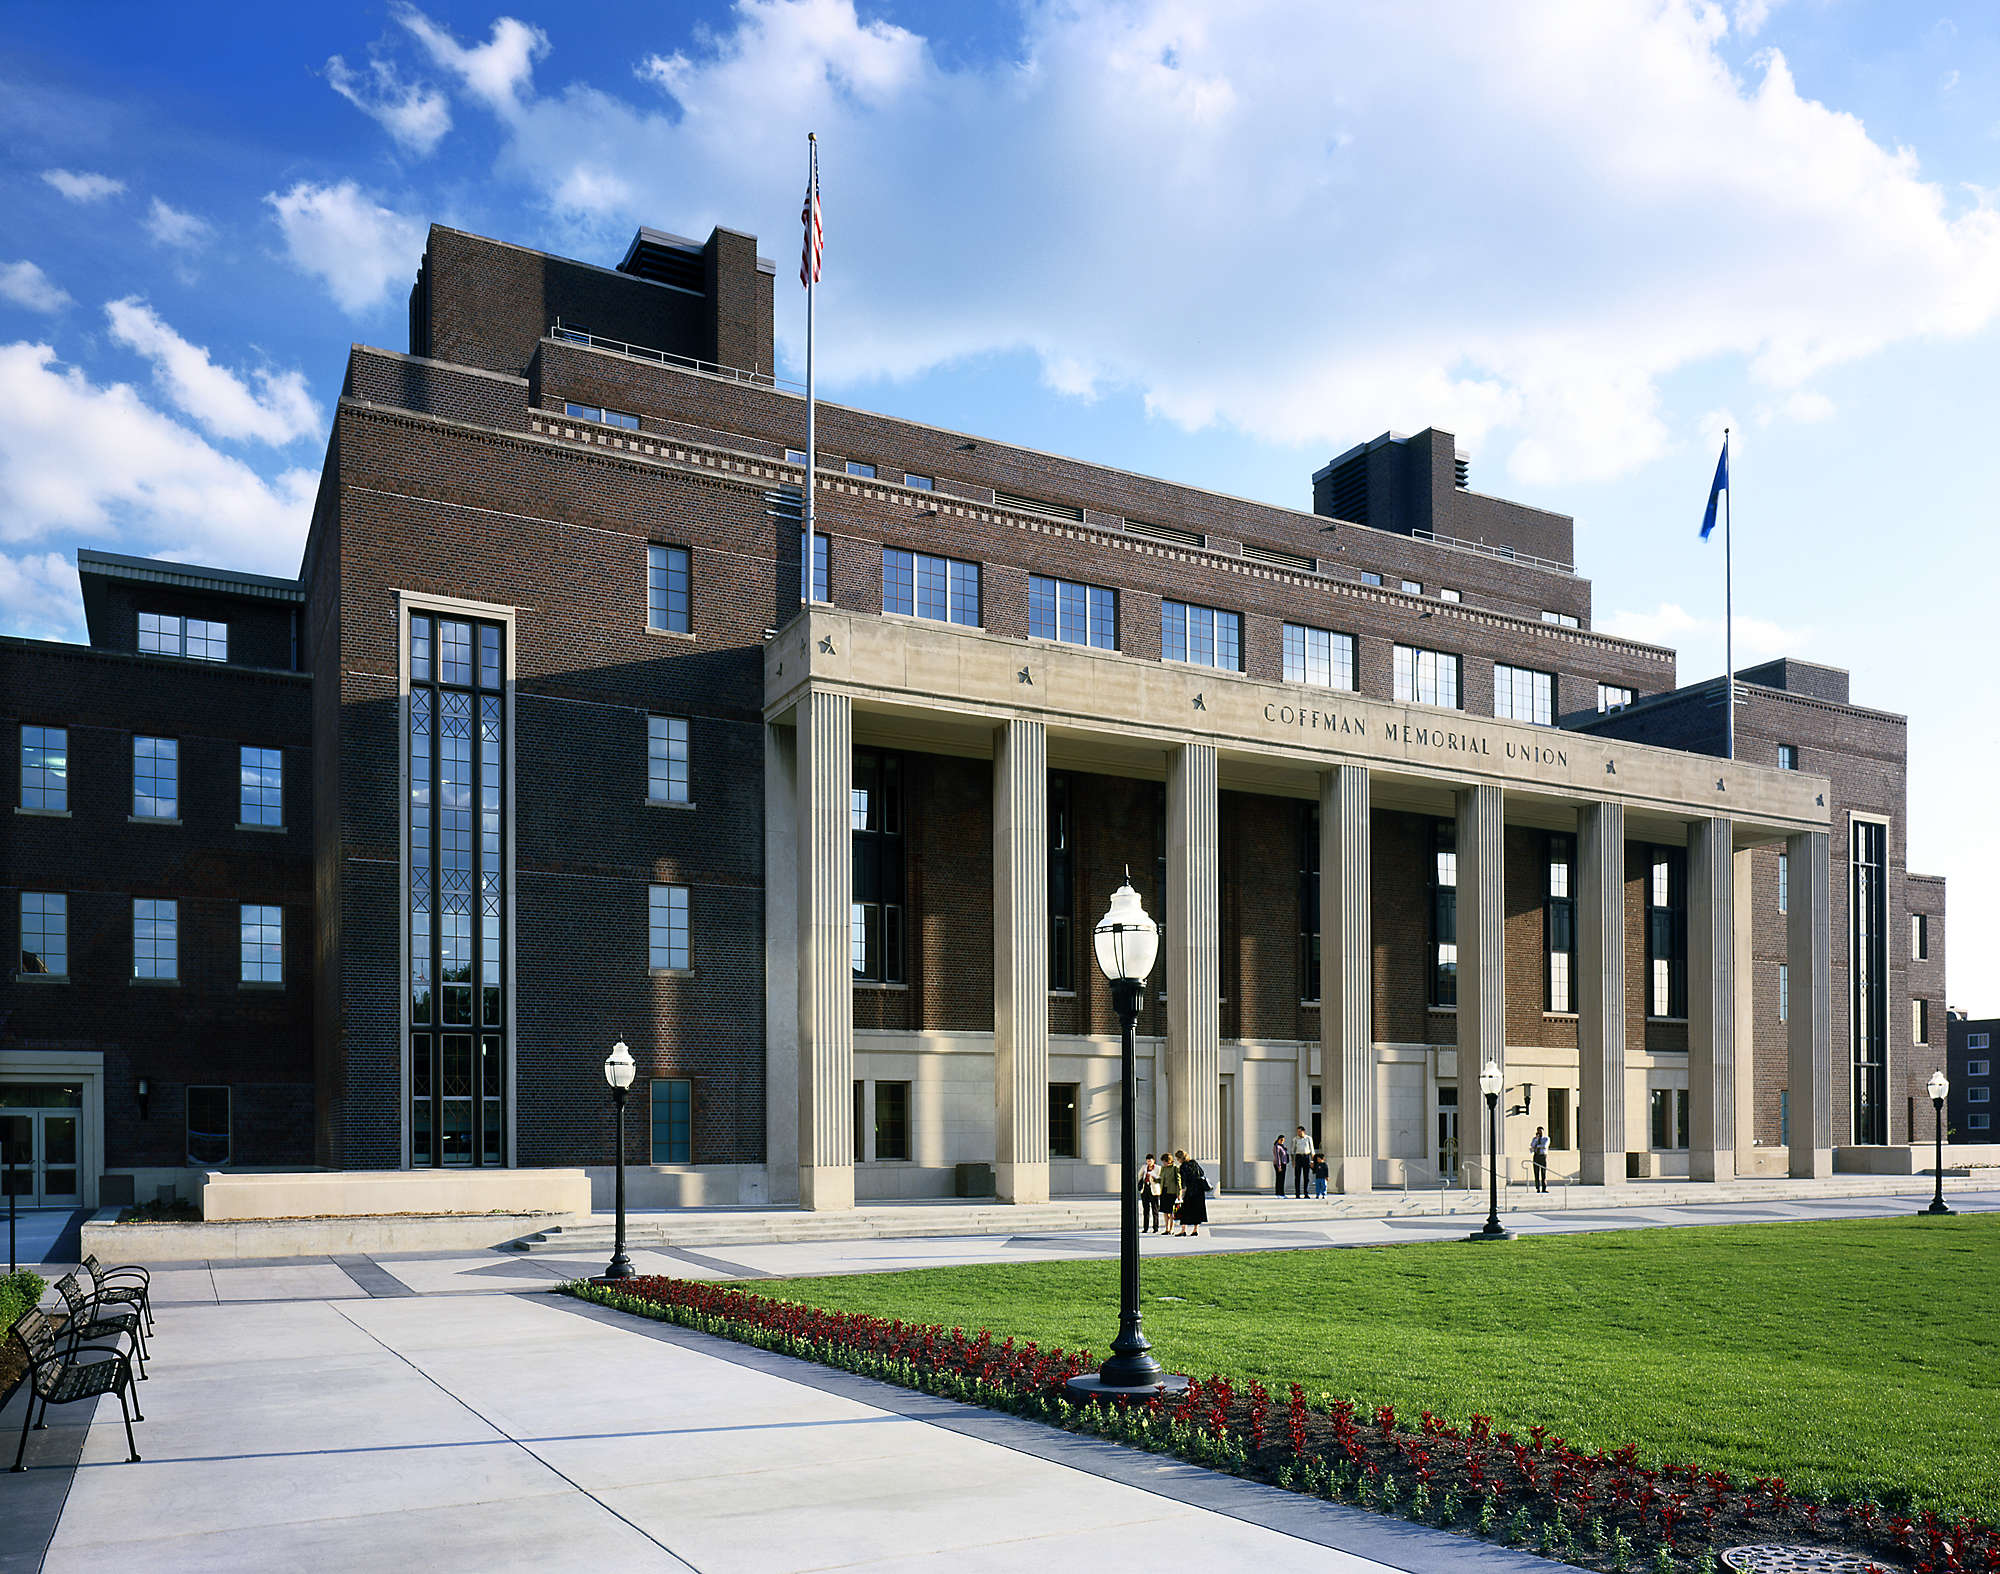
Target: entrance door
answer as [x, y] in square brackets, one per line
[41, 1125]
[1227, 1177]
[1447, 1147]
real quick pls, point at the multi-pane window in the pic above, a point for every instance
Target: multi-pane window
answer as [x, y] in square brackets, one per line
[45, 933]
[1524, 695]
[892, 1120]
[1977, 1041]
[207, 1126]
[263, 943]
[156, 774]
[1444, 913]
[1062, 1121]
[667, 589]
[1370, 577]
[1414, 587]
[159, 635]
[1319, 657]
[1062, 887]
[1920, 1022]
[599, 413]
[1201, 636]
[1426, 677]
[1567, 620]
[1784, 992]
[920, 585]
[922, 483]
[156, 939]
[856, 468]
[876, 820]
[207, 641]
[1309, 901]
[667, 927]
[1670, 1118]
[1920, 937]
[1784, 882]
[1979, 1095]
[1868, 910]
[816, 577]
[1666, 933]
[667, 759]
[201, 638]
[1560, 923]
[1610, 697]
[457, 942]
[45, 768]
[1788, 756]
[1074, 614]
[261, 787]
[1445, 593]
[673, 1120]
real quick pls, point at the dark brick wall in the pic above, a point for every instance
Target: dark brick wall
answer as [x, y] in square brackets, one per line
[409, 382]
[206, 1028]
[262, 633]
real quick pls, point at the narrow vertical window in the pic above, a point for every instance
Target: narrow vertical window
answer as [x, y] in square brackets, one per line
[1920, 1022]
[1063, 1133]
[892, 1120]
[673, 1120]
[1309, 984]
[260, 778]
[156, 950]
[1784, 882]
[1784, 992]
[1666, 933]
[1062, 888]
[261, 932]
[667, 927]
[1444, 913]
[45, 768]
[1868, 917]
[1788, 756]
[876, 821]
[815, 573]
[667, 591]
[1920, 937]
[45, 933]
[156, 772]
[667, 759]
[1560, 923]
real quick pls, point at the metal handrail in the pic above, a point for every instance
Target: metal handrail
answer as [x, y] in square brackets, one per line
[1507, 554]
[643, 352]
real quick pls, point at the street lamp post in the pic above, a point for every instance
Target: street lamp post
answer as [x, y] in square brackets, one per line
[1489, 1084]
[1940, 1086]
[618, 1071]
[1127, 941]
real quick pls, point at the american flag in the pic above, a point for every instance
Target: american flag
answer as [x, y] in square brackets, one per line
[815, 232]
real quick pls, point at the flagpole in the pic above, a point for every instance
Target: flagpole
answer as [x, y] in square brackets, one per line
[1728, 599]
[812, 434]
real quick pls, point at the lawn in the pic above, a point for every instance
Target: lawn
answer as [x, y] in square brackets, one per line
[1857, 1358]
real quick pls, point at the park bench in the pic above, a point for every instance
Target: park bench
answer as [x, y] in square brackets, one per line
[128, 1284]
[60, 1374]
[90, 1319]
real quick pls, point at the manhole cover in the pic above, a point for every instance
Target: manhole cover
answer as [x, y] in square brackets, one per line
[1771, 1557]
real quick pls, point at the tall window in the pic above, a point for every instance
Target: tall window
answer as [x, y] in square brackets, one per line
[207, 1126]
[45, 933]
[201, 638]
[156, 774]
[261, 787]
[1426, 677]
[1444, 913]
[1201, 636]
[1670, 1118]
[1784, 882]
[1076, 614]
[156, 945]
[1560, 924]
[876, 818]
[1920, 1022]
[45, 768]
[1062, 1121]
[667, 589]
[1523, 695]
[673, 1120]
[262, 937]
[892, 1120]
[1062, 887]
[457, 897]
[1869, 910]
[816, 585]
[1784, 992]
[1309, 901]
[667, 759]
[667, 927]
[1319, 657]
[1920, 937]
[917, 584]
[1611, 696]
[1666, 933]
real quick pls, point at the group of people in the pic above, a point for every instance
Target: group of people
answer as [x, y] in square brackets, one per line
[1173, 1191]
[1307, 1167]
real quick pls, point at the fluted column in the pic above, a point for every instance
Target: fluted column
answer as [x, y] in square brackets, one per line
[826, 977]
[1711, 994]
[1809, 1035]
[1346, 1018]
[1021, 962]
[1482, 966]
[1743, 912]
[781, 965]
[1600, 991]
[1193, 944]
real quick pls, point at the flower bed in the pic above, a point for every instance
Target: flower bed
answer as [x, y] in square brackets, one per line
[1600, 1510]
[19, 1292]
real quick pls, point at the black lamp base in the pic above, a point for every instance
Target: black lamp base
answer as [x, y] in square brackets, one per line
[1491, 1235]
[1938, 1208]
[1091, 1388]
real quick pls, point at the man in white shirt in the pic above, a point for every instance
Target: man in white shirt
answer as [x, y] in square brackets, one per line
[1539, 1147]
[1302, 1163]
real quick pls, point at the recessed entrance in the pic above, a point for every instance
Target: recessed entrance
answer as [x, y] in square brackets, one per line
[40, 1125]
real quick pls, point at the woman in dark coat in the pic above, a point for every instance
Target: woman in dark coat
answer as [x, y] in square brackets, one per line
[1194, 1194]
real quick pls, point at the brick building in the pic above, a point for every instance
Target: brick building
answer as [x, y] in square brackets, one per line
[595, 746]
[1969, 1056]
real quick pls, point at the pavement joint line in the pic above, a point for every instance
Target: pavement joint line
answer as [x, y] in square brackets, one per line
[547, 1465]
[718, 1264]
[1386, 1540]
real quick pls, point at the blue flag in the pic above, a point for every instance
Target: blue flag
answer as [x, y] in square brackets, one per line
[1715, 491]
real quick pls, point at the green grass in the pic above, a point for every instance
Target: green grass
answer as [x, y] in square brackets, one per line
[1854, 1358]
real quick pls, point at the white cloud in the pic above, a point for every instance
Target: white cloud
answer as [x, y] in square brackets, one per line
[171, 227]
[1516, 222]
[79, 458]
[40, 597]
[83, 186]
[1699, 640]
[26, 285]
[339, 233]
[415, 115]
[280, 409]
[497, 72]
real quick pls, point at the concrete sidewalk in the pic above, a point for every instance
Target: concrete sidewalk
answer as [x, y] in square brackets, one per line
[527, 1432]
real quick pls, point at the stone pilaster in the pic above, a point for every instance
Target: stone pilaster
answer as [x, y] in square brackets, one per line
[1711, 997]
[1809, 1031]
[1193, 949]
[1743, 911]
[781, 964]
[1346, 1015]
[1482, 968]
[1021, 962]
[825, 854]
[1600, 992]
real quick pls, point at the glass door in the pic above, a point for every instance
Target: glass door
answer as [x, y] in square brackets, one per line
[59, 1184]
[1448, 1133]
[41, 1123]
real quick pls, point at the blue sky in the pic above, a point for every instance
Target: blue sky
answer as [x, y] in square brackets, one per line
[1582, 234]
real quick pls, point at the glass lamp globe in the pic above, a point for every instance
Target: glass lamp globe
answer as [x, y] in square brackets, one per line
[1127, 940]
[1489, 1079]
[1940, 1085]
[618, 1067]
